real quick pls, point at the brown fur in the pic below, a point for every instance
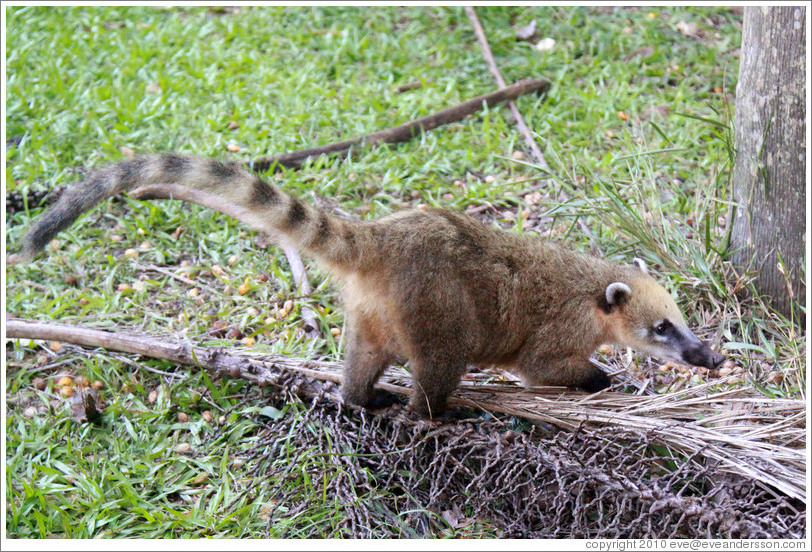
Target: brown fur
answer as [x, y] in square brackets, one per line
[435, 287]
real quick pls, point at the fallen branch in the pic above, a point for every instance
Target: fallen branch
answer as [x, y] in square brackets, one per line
[406, 131]
[767, 445]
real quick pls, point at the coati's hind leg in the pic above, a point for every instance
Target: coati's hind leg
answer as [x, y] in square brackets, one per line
[365, 360]
[435, 378]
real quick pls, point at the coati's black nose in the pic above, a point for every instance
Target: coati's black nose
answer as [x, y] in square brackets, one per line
[702, 355]
[717, 359]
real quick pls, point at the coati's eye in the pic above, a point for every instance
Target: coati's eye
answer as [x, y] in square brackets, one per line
[662, 327]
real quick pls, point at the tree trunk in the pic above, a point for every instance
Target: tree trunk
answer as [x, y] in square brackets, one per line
[770, 169]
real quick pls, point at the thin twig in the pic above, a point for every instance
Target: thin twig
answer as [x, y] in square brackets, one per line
[535, 152]
[178, 277]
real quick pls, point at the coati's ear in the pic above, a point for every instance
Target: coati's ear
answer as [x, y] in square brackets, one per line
[617, 293]
[640, 264]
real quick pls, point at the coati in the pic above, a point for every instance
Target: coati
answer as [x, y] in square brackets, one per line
[436, 287]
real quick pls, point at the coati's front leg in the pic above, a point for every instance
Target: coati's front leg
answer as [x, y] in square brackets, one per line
[569, 372]
[365, 360]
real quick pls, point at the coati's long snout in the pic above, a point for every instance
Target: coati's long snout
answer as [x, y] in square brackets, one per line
[436, 287]
[697, 353]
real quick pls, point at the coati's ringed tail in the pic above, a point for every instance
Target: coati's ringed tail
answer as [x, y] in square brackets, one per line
[268, 207]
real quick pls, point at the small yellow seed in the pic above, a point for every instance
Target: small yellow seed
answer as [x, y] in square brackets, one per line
[217, 270]
[153, 396]
[183, 447]
[233, 147]
[243, 289]
[82, 381]
[183, 417]
[56, 346]
[124, 287]
[335, 331]
[208, 416]
[131, 253]
[97, 384]
[193, 292]
[66, 391]
[248, 341]
[64, 381]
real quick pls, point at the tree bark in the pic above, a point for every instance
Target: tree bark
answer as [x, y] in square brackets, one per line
[769, 225]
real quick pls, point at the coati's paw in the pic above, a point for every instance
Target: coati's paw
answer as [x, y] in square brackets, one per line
[382, 399]
[377, 400]
[596, 381]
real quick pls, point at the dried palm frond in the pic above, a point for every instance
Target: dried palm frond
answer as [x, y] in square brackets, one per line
[743, 432]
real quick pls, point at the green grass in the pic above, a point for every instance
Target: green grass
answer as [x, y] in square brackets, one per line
[84, 82]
